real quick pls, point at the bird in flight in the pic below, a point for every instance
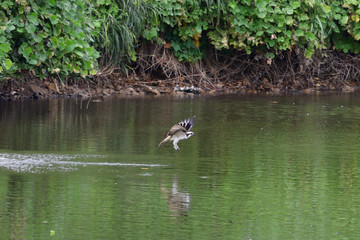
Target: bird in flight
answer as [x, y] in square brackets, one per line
[179, 132]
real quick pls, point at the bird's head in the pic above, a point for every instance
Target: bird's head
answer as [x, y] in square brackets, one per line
[189, 134]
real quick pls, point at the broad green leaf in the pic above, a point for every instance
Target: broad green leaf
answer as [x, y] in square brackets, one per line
[262, 14]
[310, 36]
[175, 46]
[33, 61]
[309, 52]
[87, 65]
[33, 18]
[326, 8]
[8, 64]
[27, 51]
[354, 2]
[54, 19]
[357, 34]
[295, 4]
[232, 4]
[355, 18]
[70, 46]
[272, 43]
[90, 51]
[43, 34]
[337, 16]
[288, 10]
[259, 33]
[176, 6]
[5, 47]
[289, 20]
[55, 42]
[150, 34]
[3, 39]
[57, 30]
[30, 28]
[42, 56]
[5, 4]
[79, 53]
[133, 57]
[270, 55]
[76, 69]
[299, 33]
[10, 27]
[303, 17]
[344, 20]
[36, 38]
[84, 73]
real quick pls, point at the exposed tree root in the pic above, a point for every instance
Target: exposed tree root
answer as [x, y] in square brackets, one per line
[288, 71]
[157, 72]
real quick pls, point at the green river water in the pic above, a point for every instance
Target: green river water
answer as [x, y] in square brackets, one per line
[258, 167]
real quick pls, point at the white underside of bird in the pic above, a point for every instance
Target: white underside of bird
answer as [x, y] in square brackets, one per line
[179, 132]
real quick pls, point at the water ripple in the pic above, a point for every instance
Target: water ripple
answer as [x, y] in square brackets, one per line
[37, 163]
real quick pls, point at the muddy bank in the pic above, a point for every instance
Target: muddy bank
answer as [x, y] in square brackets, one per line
[37, 89]
[160, 73]
[11, 90]
[163, 74]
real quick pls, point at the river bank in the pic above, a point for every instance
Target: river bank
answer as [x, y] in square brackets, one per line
[11, 90]
[163, 74]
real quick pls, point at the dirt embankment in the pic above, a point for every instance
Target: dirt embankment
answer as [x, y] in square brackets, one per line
[36, 89]
[160, 73]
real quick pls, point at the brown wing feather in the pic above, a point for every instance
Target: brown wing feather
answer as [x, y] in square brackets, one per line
[175, 129]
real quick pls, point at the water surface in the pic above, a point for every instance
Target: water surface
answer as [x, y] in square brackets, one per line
[258, 167]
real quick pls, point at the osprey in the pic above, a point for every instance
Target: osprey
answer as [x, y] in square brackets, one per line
[179, 132]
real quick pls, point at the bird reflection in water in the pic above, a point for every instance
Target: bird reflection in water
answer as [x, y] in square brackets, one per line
[178, 200]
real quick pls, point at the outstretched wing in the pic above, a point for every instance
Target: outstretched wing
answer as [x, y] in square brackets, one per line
[187, 123]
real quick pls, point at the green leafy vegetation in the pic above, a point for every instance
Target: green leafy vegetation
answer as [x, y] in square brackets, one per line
[47, 37]
[259, 26]
[72, 38]
[121, 24]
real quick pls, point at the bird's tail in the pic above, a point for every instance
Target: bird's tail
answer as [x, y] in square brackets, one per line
[165, 140]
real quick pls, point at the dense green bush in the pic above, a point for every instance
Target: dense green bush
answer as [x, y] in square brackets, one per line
[47, 37]
[183, 24]
[263, 26]
[65, 37]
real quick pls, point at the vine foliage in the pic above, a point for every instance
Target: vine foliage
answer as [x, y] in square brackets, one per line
[190, 27]
[47, 37]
